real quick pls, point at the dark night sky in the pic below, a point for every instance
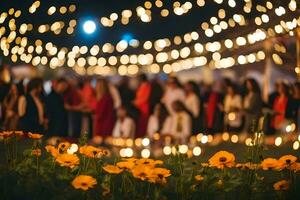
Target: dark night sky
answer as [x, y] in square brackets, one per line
[159, 27]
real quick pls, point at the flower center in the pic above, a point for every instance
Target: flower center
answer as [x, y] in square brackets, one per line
[160, 176]
[222, 159]
[84, 184]
[142, 174]
[288, 161]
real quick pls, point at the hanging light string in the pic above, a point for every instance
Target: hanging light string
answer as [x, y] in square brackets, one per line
[56, 61]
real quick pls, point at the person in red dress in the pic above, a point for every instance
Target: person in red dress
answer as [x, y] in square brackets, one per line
[280, 105]
[104, 116]
[143, 105]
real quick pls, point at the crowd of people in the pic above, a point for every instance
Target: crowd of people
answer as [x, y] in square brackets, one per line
[152, 106]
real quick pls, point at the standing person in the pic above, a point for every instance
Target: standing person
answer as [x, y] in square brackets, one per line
[252, 105]
[232, 109]
[213, 113]
[88, 104]
[72, 101]
[142, 103]
[126, 94]
[296, 105]
[56, 112]
[10, 107]
[180, 127]
[173, 93]
[104, 116]
[192, 103]
[156, 94]
[280, 107]
[158, 121]
[125, 126]
[31, 108]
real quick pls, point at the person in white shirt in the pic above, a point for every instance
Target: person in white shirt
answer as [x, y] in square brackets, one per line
[158, 121]
[125, 125]
[173, 93]
[232, 109]
[115, 95]
[192, 104]
[180, 127]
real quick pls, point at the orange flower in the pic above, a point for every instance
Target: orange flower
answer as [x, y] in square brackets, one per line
[199, 178]
[125, 165]
[246, 166]
[84, 182]
[142, 172]
[286, 161]
[35, 136]
[52, 150]
[112, 169]
[281, 185]
[36, 152]
[92, 152]
[149, 162]
[295, 166]
[67, 160]
[19, 133]
[269, 163]
[159, 175]
[133, 160]
[63, 147]
[222, 159]
[6, 134]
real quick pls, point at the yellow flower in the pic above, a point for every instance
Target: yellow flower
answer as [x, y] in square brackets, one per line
[269, 163]
[84, 182]
[6, 134]
[36, 152]
[222, 159]
[199, 178]
[281, 185]
[286, 161]
[63, 147]
[92, 152]
[112, 169]
[52, 150]
[68, 160]
[125, 165]
[159, 175]
[142, 172]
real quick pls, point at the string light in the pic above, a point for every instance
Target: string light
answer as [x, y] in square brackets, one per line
[174, 54]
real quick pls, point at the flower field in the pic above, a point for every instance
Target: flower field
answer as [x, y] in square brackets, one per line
[82, 171]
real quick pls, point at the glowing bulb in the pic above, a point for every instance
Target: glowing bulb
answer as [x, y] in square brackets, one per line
[296, 145]
[278, 141]
[196, 151]
[204, 139]
[183, 149]
[145, 153]
[167, 150]
[145, 142]
[89, 27]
